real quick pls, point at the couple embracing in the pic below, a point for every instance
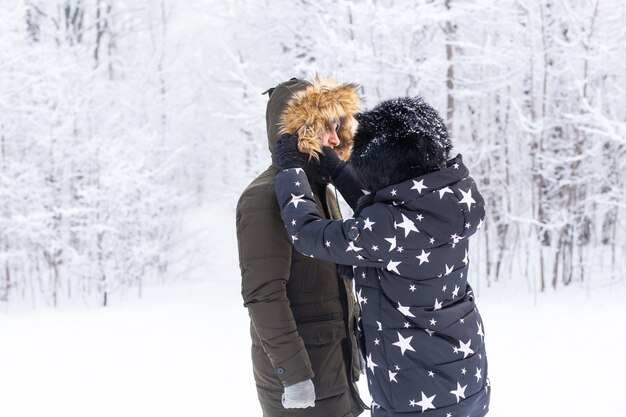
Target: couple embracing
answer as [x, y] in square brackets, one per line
[384, 292]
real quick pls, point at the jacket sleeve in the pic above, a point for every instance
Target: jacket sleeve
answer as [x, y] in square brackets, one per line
[265, 262]
[348, 242]
[348, 185]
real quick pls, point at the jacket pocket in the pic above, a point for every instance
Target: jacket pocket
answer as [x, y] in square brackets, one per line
[324, 342]
[322, 332]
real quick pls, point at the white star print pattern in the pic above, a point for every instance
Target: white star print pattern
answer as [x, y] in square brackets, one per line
[393, 267]
[455, 293]
[423, 257]
[480, 331]
[370, 363]
[392, 376]
[427, 402]
[467, 199]
[368, 224]
[407, 224]
[404, 310]
[419, 186]
[352, 247]
[404, 343]
[443, 192]
[296, 199]
[465, 348]
[459, 392]
[401, 272]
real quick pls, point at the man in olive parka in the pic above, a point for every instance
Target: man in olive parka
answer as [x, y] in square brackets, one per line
[302, 311]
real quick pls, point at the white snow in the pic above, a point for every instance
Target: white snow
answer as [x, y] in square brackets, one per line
[183, 349]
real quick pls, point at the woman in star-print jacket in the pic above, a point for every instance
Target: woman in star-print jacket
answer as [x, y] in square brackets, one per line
[408, 243]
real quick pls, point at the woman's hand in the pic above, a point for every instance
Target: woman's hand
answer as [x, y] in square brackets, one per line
[287, 155]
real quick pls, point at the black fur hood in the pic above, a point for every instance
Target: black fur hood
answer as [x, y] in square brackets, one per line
[397, 140]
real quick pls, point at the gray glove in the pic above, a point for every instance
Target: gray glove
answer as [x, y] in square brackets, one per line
[300, 395]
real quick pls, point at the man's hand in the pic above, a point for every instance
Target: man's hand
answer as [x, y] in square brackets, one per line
[300, 395]
[287, 154]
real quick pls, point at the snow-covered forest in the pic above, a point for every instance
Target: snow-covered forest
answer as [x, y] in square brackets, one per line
[118, 117]
[129, 128]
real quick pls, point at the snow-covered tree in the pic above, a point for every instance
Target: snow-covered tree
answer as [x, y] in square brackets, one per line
[117, 115]
[90, 166]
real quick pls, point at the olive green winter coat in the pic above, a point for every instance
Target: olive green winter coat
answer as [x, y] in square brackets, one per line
[303, 314]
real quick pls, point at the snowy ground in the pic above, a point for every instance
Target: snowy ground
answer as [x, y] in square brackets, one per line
[183, 350]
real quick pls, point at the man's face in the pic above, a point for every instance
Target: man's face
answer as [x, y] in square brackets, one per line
[329, 135]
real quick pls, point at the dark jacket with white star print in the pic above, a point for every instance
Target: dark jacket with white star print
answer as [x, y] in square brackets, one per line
[424, 337]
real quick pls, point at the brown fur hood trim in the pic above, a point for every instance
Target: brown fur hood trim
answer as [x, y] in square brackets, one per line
[310, 110]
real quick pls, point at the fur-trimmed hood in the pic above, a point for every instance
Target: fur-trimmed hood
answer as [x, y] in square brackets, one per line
[306, 108]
